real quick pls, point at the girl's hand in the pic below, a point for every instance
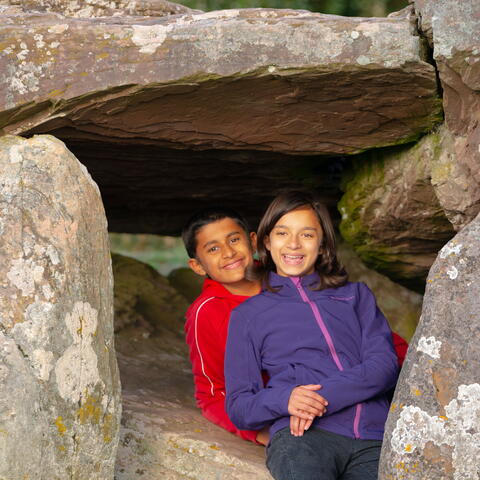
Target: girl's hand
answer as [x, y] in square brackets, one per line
[305, 403]
[299, 425]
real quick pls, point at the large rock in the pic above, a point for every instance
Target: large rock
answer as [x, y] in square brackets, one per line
[355, 83]
[163, 434]
[145, 300]
[102, 8]
[433, 429]
[390, 211]
[453, 29]
[59, 384]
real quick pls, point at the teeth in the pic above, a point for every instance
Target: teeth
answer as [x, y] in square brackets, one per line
[293, 257]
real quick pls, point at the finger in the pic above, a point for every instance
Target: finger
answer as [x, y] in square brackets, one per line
[315, 397]
[311, 387]
[301, 413]
[294, 425]
[301, 426]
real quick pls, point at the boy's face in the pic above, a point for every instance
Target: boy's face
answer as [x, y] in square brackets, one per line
[224, 251]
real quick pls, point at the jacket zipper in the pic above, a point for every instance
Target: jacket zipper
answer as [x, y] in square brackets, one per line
[331, 346]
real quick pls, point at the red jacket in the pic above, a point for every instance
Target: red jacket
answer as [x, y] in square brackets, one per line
[206, 331]
[206, 334]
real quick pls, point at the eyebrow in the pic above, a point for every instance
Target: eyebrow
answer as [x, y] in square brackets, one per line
[284, 226]
[212, 242]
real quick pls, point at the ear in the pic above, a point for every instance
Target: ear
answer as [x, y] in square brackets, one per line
[253, 241]
[196, 266]
[266, 241]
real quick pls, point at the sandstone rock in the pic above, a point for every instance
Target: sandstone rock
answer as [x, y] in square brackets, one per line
[189, 284]
[390, 211]
[453, 29]
[279, 80]
[144, 299]
[102, 8]
[59, 384]
[433, 429]
[401, 307]
[163, 434]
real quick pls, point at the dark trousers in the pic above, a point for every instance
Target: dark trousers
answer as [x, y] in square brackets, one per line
[322, 455]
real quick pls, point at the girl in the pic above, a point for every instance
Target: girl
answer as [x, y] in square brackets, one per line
[324, 344]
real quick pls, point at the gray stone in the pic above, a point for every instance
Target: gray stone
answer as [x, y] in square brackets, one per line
[453, 29]
[163, 434]
[391, 214]
[59, 383]
[357, 83]
[433, 429]
[188, 283]
[102, 8]
[144, 299]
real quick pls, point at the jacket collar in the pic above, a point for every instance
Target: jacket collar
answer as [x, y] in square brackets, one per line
[215, 289]
[288, 285]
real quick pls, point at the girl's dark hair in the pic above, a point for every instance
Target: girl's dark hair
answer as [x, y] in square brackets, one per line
[205, 217]
[331, 272]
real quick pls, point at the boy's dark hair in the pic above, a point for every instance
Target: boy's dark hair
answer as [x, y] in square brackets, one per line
[331, 272]
[205, 217]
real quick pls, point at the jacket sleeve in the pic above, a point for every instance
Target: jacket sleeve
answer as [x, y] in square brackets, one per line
[249, 405]
[378, 370]
[209, 334]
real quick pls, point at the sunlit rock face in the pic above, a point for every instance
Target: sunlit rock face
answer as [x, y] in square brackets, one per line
[434, 424]
[59, 384]
[101, 8]
[233, 79]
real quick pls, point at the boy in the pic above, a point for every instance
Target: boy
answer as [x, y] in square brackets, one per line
[221, 248]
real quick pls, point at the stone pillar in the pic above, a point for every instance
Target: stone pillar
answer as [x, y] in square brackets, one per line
[433, 430]
[59, 383]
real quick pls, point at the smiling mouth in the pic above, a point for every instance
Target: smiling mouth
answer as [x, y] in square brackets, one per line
[233, 265]
[293, 259]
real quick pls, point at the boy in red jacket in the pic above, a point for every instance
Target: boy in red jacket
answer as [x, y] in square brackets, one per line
[220, 247]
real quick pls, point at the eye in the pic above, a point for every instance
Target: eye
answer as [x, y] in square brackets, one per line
[234, 239]
[212, 250]
[280, 233]
[308, 235]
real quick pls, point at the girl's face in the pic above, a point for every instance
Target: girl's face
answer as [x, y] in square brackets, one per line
[294, 242]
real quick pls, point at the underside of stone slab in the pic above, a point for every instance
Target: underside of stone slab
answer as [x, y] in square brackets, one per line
[155, 190]
[278, 80]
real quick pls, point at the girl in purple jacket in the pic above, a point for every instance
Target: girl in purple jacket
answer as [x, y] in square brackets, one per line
[324, 344]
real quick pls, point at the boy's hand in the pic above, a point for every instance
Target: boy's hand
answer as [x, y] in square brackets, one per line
[263, 436]
[305, 403]
[299, 425]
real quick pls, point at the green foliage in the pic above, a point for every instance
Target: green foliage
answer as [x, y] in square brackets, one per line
[360, 8]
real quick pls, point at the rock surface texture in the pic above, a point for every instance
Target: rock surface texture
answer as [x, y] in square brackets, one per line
[367, 84]
[433, 429]
[391, 214]
[163, 434]
[101, 8]
[59, 383]
[453, 29]
[145, 299]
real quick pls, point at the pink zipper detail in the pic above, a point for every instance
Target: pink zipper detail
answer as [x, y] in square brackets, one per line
[319, 319]
[356, 422]
[316, 313]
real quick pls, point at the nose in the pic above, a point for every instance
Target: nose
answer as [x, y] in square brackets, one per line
[293, 242]
[228, 251]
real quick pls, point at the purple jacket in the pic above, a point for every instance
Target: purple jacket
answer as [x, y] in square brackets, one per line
[336, 337]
